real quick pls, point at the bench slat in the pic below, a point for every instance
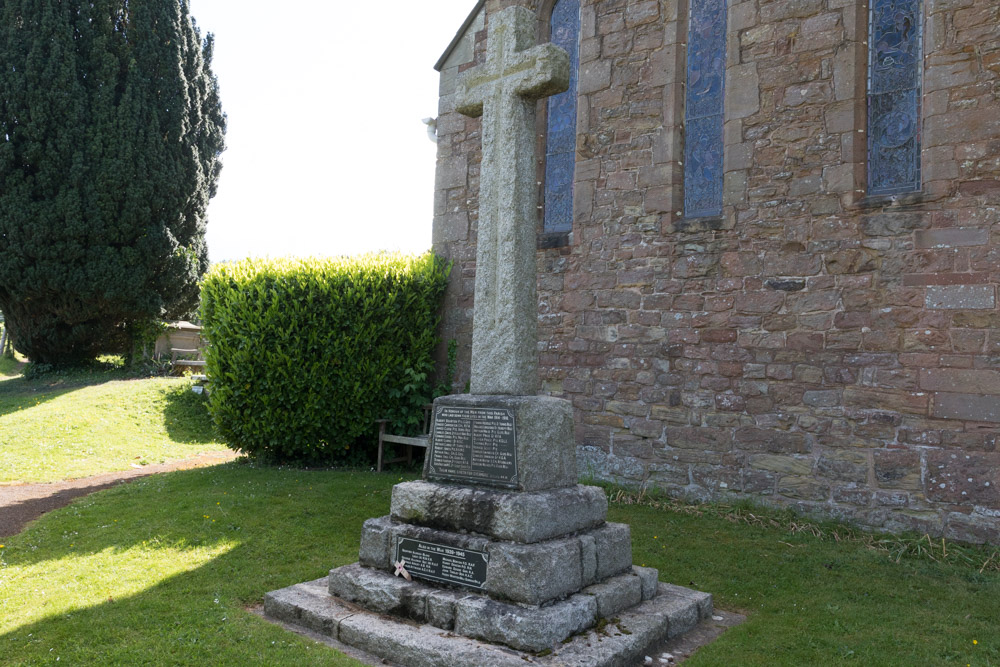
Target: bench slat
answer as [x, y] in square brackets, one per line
[418, 441]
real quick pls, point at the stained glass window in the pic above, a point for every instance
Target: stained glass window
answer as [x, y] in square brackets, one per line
[703, 111]
[894, 67]
[560, 151]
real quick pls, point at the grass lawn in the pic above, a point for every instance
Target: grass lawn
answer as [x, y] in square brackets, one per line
[161, 571]
[63, 426]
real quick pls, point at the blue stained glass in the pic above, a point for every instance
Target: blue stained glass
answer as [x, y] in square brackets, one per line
[704, 105]
[894, 68]
[560, 150]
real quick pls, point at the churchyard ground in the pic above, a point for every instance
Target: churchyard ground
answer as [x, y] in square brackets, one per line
[168, 569]
[81, 423]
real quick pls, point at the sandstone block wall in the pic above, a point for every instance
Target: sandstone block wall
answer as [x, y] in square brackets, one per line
[812, 346]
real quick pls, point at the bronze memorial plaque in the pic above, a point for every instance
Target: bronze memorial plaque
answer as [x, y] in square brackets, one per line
[442, 563]
[474, 445]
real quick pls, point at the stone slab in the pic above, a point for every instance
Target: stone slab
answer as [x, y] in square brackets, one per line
[524, 628]
[545, 445]
[960, 297]
[532, 573]
[616, 594]
[504, 515]
[619, 644]
[381, 592]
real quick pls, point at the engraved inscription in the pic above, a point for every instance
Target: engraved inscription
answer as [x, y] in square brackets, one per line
[474, 445]
[439, 562]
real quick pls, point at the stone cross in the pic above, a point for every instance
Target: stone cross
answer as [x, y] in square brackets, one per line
[503, 91]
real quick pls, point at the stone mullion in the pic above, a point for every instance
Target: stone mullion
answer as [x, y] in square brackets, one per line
[668, 149]
[848, 180]
[742, 99]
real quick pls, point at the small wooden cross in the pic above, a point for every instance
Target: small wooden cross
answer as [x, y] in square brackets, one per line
[401, 570]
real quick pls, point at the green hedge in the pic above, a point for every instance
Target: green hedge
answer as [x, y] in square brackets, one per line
[305, 354]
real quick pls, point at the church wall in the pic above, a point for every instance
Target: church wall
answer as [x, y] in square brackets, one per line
[811, 346]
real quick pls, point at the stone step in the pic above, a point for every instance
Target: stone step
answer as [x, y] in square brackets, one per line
[526, 573]
[623, 641]
[514, 516]
[453, 609]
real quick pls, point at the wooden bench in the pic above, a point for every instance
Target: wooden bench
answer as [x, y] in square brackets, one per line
[409, 441]
[190, 363]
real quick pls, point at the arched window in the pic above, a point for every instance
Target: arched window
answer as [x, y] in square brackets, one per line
[560, 145]
[894, 66]
[703, 108]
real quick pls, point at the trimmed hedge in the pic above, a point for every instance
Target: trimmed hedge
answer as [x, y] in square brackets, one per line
[305, 354]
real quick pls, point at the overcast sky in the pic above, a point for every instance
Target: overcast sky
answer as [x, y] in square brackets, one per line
[326, 153]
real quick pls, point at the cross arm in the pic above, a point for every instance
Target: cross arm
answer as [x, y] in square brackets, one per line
[546, 72]
[470, 92]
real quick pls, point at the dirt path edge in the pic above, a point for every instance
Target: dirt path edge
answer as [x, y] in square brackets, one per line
[22, 503]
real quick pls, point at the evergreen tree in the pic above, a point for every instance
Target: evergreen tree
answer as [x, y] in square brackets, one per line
[111, 131]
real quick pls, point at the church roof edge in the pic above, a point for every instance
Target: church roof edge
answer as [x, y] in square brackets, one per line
[458, 36]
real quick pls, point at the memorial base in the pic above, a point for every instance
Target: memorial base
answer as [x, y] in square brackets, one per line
[496, 557]
[620, 642]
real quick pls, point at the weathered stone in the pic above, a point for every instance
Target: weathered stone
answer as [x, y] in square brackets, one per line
[790, 465]
[963, 478]
[420, 646]
[685, 607]
[306, 605]
[960, 380]
[503, 91]
[535, 573]
[951, 237]
[898, 469]
[376, 542]
[616, 594]
[613, 547]
[517, 517]
[623, 643]
[441, 607]
[588, 559]
[961, 297]
[649, 578]
[379, 591]
[524, 628]
[545, 446]
[968, 407]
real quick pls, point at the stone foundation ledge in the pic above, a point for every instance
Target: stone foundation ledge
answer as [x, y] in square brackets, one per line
[505, 515]
[530, 574]
[464, 611]
[673, 611]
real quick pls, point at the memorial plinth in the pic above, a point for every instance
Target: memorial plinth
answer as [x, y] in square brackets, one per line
[498, 554]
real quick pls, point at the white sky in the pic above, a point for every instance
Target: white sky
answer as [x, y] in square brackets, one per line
[326, 153]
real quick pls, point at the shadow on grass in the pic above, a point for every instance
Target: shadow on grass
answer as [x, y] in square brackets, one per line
[10, 368]
[809, 601]
[275, 528]
[21, 392]
[186, 417]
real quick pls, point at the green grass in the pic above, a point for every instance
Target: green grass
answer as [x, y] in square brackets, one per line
[162, 570]
[10, 368]
[818, 594]
[68, 425]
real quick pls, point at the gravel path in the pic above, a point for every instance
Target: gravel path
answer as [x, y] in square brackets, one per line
[21, 503]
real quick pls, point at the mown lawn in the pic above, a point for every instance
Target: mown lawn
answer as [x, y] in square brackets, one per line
[163, 570]
[69, 425]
